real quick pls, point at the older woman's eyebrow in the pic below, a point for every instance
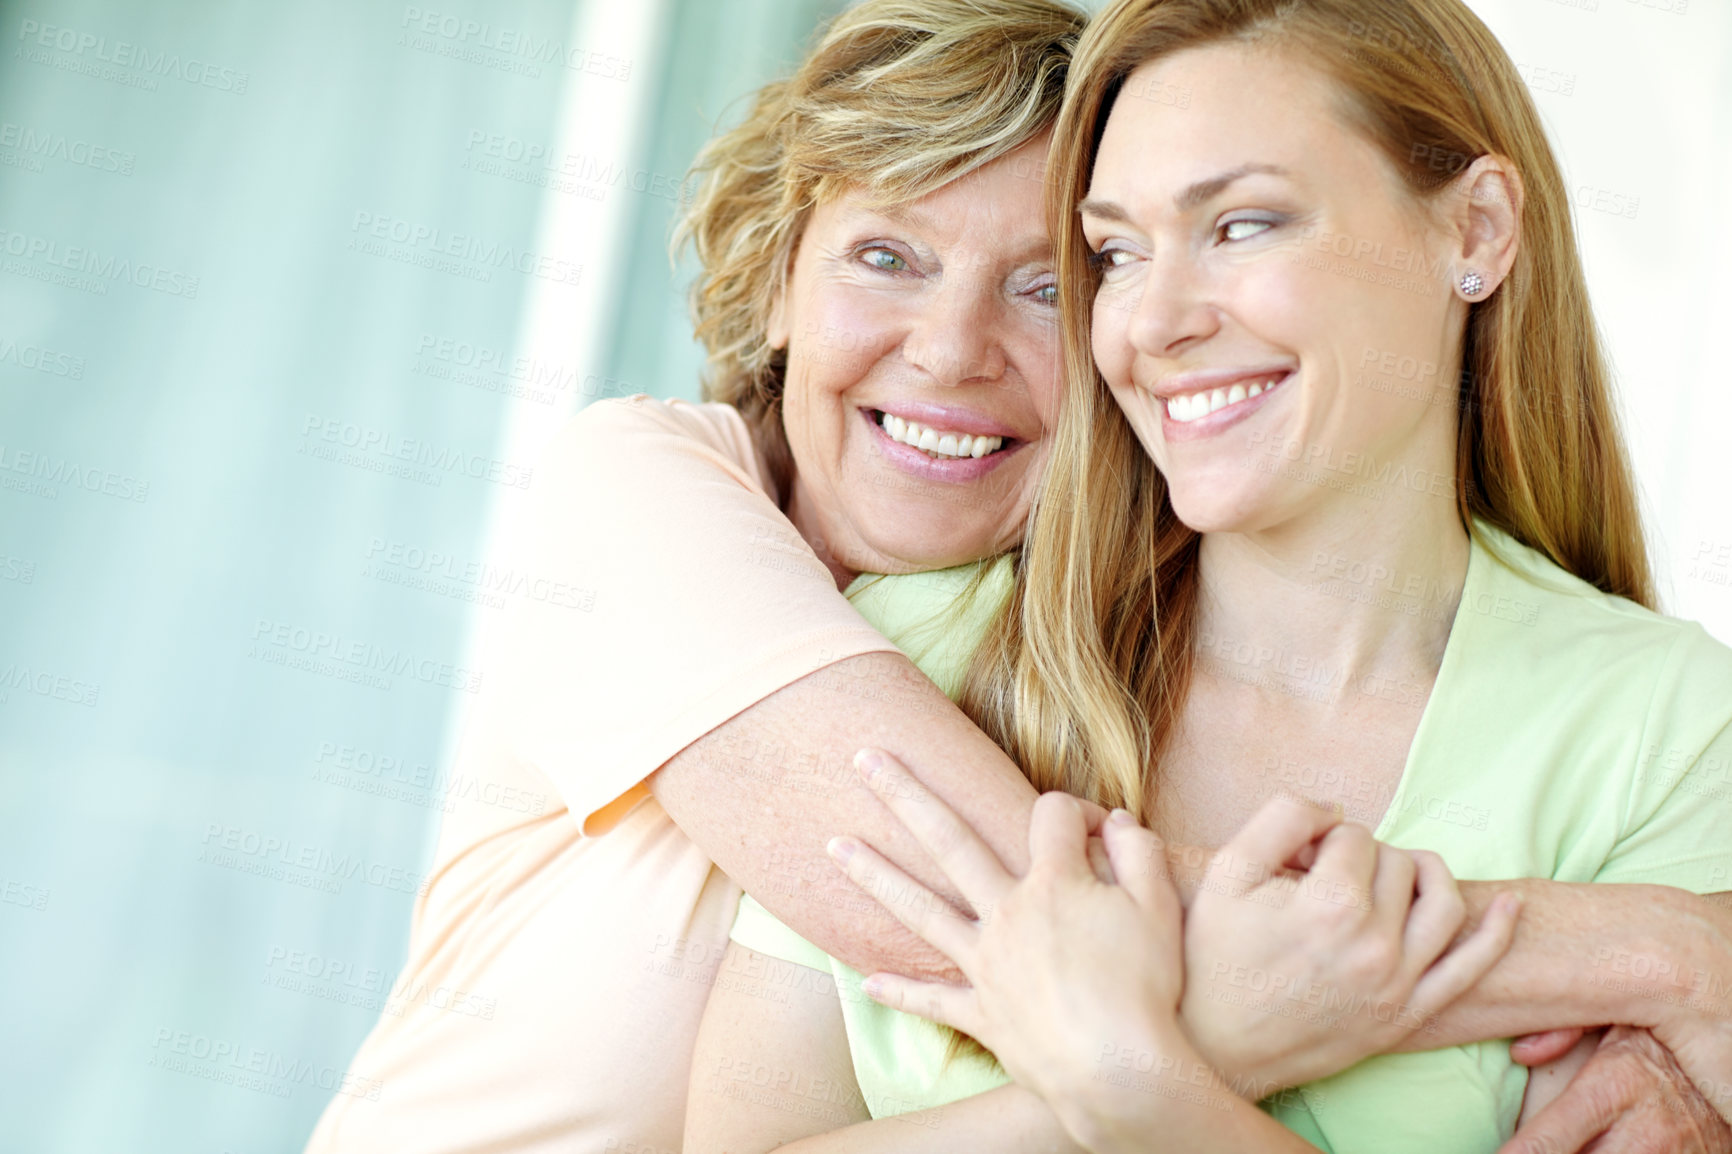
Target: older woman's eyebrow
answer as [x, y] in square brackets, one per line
[906, 215]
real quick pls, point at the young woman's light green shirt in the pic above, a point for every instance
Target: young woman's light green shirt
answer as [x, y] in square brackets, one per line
[1569, 735]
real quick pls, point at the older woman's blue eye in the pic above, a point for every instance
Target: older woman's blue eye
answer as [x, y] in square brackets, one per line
[1047, 294]
[883, 258]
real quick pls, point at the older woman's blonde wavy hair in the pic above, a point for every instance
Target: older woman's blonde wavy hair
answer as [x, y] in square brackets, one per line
[898, 98]
[1084, 682]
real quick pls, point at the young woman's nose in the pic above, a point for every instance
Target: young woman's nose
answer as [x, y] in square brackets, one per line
[1171, 309]
[953, 336]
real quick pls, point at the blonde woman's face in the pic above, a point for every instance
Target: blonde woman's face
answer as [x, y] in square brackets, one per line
[1275, 315]
[922, 370]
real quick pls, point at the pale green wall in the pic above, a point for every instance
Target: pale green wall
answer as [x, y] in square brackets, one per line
[106, 808]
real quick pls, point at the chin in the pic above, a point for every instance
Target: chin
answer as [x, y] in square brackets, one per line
[920, 555]
[1214, 511]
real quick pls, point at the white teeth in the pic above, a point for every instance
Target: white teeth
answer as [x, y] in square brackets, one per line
[935, 443]
[1189, 407]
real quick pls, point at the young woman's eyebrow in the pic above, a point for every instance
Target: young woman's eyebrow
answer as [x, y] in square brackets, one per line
[1202, 191]
[1190, 197]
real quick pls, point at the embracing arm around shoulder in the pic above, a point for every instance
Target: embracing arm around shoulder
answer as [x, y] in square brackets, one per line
[768, 831]
[762, 794]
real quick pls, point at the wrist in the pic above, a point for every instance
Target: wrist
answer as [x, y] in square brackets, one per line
[1144, 1089]
[1659, 968]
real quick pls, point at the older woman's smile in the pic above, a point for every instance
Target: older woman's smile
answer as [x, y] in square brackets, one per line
[941, 442]
[922, 370]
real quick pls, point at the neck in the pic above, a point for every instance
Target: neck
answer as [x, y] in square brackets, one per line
[800, 511]
[1353, 593]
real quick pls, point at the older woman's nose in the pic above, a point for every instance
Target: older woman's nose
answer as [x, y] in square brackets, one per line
[955, 337]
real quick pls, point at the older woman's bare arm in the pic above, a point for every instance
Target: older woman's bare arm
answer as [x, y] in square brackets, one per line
[763, 793]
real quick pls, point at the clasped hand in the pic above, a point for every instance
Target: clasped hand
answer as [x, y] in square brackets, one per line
[1072, 978]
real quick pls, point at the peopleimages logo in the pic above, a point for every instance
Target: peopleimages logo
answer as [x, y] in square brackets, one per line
[365, 440]
[106, 268]
[91, 49]
[363, 658]
[52, 471]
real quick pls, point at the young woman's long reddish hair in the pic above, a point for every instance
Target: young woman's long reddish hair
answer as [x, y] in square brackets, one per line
[1083, 682]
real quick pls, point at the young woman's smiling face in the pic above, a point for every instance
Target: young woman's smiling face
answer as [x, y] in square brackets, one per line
[922, 370]
[1262, 265]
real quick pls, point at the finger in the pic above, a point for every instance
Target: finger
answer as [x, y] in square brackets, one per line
[1650, 1128]
[1547, 1046]
[1346, 866]
[1584, 1111]
[1261, 849]
[952, 844]
[1057, 837]
[952, 1006]
[1392, 890]
[934, 919]
[1100, 862]
[1093, 815]
[1438, 912]
[1460, 969]
[1139, 858]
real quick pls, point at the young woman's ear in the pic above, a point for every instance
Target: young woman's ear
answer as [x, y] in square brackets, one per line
[1485, 213]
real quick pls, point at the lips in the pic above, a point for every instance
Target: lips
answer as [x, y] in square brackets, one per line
[937, 442]
[1188, 407]
[945, 462]
[1203, 404]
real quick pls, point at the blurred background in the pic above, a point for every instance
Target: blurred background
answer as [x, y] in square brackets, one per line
[291, 295]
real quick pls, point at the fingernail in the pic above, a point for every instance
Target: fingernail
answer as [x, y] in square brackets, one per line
[1121, 817]
[841, 848]
[873, 988]
[868, 762]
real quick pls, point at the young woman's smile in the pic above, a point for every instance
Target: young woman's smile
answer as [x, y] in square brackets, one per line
[1226, 324]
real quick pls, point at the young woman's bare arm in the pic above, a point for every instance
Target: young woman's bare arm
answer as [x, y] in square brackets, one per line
[772, 1071]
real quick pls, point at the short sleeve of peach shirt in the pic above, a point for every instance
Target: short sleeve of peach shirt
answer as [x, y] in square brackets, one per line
[629, 496]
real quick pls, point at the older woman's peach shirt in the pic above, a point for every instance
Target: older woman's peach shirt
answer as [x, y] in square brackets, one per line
[555, 981]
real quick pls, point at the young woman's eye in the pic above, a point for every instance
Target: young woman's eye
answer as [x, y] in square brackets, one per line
[887, 260]
[1108, 259]
[1244, 229]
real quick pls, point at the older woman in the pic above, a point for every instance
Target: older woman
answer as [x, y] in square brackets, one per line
[556, 975]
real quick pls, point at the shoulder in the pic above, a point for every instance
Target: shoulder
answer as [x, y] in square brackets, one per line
[1522, 586]
[641, 435]
[1600, 645]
